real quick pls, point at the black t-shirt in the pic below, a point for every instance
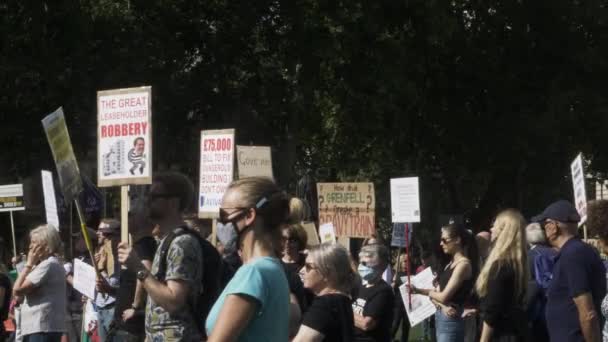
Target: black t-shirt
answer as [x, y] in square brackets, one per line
[376, 302]
[296, 287]
[293, 267]
[332, 316]
[145, 248]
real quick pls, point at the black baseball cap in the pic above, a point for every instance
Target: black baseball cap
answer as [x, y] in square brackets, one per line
[562, 211]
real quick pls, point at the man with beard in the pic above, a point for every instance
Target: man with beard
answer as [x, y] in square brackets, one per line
[172, 299]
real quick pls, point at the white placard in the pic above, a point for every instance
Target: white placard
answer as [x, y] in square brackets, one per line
[327, 233]
[422, 307]
[11, 197]
[578, 183]
[405, 200]
[84, 278]
[50, 202]
[216, 170]
[254, 161]
[124, 136]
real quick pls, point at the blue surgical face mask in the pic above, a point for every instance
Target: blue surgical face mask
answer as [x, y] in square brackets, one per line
[367, 273]
[227, 235]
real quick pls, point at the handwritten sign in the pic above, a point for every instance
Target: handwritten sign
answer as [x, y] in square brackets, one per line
[216, 170]
[254, 161]
[50, 202]
[349, 206]
[84, 278]
[405, 200]
[578, 183]
[61, 147]
[124, 136]
[11, 197]
[327, 232]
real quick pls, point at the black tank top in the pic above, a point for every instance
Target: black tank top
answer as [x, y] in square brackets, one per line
[462, 294]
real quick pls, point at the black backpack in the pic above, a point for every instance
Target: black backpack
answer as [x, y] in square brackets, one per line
[212, 284]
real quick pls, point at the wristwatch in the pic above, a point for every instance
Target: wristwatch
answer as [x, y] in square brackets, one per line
[142, 274]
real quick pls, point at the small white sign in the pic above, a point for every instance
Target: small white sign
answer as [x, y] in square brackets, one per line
[84, 278]
[405, 200]
[422, 307]
[578, 183]
[11, 197]
[50, 202]
[327, 233]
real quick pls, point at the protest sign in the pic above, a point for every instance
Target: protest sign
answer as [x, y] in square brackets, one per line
[50, 202]
[405, 200]
[124, 136]
[254, 161]
[11, 197]
[84, 278]
[216, 170]
[578, 183]
[327, 233]
[63, 154]
[398, 237]
[311, 234]
[349, 206]
[421, 306]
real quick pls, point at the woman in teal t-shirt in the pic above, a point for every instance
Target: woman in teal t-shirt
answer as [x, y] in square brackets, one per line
[254, 306]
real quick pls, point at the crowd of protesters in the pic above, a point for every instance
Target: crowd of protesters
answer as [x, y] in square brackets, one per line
[262, 282]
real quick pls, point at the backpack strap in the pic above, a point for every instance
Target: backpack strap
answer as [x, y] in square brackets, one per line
[164, 250]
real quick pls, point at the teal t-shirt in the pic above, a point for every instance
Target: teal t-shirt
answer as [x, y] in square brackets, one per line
[264, 280]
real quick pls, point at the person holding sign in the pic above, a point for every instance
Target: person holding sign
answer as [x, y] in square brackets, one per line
[455, 282]
[43, 287]
[254, 305]
[106, 261]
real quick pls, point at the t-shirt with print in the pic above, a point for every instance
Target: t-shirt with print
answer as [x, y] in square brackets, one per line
[262, 279]
[184, 263]
[44, 308]
[376, 302]
[332, 316]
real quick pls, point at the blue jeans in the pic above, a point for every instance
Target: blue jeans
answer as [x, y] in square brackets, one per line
[105, 317]
[449, 329]
[43, 337]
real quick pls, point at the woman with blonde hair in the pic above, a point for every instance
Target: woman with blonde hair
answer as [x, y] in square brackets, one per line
[503, 281]
[42, 284]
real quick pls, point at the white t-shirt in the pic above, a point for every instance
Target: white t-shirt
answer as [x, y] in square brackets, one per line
[44, 308]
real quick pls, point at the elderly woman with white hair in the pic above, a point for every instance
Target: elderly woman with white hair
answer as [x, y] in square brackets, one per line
[42, 284]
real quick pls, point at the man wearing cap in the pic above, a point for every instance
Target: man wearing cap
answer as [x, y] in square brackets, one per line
[108, 235]
[579, 282]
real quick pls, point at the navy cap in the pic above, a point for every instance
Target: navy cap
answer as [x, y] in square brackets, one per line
[562, 211]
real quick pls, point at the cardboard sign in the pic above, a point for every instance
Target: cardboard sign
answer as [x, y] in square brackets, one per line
[578, 183]
[327, 233]
[84, 278]
[50, 202]
[311, 234]
[398, 236]
[11, 197]
[124, 136]
[254, 161]
[61, 147]
[216, 170]
[405, 200]
[349, 206]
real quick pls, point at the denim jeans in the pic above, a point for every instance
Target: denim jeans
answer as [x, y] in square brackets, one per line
[104, 317]
[449, 329]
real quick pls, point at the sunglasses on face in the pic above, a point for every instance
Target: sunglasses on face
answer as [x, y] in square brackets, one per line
[290, 239]
[153, 196]
[445, 241]
[228, 217]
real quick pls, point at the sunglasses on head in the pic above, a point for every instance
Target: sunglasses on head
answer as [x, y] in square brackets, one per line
[225, 217]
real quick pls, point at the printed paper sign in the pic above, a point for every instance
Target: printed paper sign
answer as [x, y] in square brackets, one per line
[422, 307]
[216, 170]
[61, 147]
[327, 233]
[311, 234]
[254, 161]
[11, 197]
[84, 278]
[398, 237]
[50, 202]
[405, 200]
[124, 136]
[578, 182]
[349, 206]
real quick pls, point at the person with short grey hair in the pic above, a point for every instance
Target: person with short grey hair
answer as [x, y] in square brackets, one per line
[328, 274]
[373, 304]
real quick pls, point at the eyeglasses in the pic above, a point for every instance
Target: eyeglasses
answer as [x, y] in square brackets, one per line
[308, 267]
[225, 216]
[445, 241]
[290, 239]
